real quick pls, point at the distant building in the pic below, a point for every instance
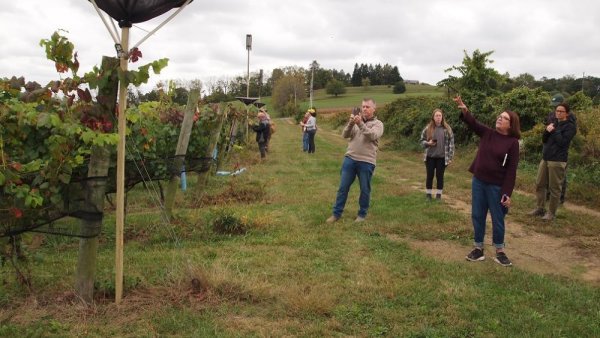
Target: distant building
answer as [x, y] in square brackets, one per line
[411, 82]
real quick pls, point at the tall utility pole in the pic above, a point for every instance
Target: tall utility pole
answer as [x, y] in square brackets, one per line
[312, 77]
[248, 48]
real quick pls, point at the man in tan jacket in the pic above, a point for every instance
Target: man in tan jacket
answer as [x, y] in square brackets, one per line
[363, 130]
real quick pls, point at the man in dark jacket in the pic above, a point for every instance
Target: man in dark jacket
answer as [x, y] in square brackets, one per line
[551, 171]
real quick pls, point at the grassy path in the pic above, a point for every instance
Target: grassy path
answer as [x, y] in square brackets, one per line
[560, 248]
[540, 252]
[399, 274]
[368, 279]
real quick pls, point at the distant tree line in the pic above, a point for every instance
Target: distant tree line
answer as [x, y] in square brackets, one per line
[335, 81]
[263, 84]
[567, 84]
[376, 75]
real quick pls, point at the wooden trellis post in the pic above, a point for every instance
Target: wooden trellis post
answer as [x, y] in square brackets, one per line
[182, 144]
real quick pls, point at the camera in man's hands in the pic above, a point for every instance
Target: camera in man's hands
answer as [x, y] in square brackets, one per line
[355, 111]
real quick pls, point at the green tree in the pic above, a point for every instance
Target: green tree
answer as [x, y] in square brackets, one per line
[579, 102]
[288, 92]
[532, 105]
[476, 81]
[335, 87]
[365, 83]
[525, 79]
[399, 87]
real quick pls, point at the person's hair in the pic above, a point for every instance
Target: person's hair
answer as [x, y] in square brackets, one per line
[564, 105]
[515, 124]
[313, 113]
[431, 125]
[367, 99]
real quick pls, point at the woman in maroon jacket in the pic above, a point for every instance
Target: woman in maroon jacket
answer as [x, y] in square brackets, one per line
[494, 171]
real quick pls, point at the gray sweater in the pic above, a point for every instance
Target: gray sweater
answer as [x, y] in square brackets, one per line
[364, 140]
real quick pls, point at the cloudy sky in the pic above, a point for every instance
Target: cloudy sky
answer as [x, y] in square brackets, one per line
[206, 40]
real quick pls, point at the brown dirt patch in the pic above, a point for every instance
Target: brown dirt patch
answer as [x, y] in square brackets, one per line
[529, 250]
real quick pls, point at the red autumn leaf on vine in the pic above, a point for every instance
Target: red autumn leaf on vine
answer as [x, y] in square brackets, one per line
[16, 165]
[144, 131]
[107, 126]
[61, 67]
[75, 63]
[84, 95]
[70, 99]
[55, 86]
[17, 212]
[135, 54]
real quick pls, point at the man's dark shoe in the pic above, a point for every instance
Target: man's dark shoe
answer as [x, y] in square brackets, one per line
[502, 259]
[476, 255]
[537, 212]
[549, 216]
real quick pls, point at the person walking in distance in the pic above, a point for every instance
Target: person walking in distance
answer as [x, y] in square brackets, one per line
[311, 130]
[304, 134]
[363, 131]
[438, 140]
[494, 172]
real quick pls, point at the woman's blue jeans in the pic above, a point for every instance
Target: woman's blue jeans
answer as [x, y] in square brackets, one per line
[487, 197]
[304, 141]
[350, 170]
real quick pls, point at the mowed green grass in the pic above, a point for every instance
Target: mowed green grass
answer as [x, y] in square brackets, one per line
[353, 96]
[381, 94]
[292, 274]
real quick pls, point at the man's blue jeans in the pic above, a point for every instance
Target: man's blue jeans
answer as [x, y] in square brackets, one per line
[487, 197]
[351, 169]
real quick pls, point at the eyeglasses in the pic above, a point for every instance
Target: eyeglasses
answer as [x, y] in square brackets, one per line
[503, 117]
[560, 111]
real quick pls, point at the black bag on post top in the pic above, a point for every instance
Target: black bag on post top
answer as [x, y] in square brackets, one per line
[128, 12]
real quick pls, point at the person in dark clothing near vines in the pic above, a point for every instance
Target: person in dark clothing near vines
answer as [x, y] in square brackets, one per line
[263, 131]
[557, 138]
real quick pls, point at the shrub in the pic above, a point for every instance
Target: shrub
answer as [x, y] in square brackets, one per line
[406, 118]
[227, 223]
[589, 129]
[399, 87]
[579, 102]
[335, 87]
[532, 105]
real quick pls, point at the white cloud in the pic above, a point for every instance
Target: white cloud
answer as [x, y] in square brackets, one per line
[207, 40]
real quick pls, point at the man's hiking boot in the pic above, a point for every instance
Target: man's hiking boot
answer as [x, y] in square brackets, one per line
[549, 217]
[332, 219]
[536, 212]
